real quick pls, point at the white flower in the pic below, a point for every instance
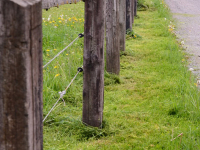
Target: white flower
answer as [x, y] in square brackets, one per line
[49, 18]
[191, 69]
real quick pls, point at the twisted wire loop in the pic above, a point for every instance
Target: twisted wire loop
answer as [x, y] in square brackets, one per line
[79, 36]
[62, 93]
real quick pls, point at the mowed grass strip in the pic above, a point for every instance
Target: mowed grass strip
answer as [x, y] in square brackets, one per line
[153, 104]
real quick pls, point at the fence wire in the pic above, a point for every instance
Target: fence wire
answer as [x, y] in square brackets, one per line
[62, 93]
[79, 36]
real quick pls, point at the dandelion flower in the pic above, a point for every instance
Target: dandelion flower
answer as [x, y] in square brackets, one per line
[47, 50]
[60, 21]
[54, 49]
[57, 75]
[66, 54]
[55, 67]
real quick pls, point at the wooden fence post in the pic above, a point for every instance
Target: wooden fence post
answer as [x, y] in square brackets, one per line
[93, 63]
[112, 37]
[135, 8]
[21, 75]
[128, 15]
[132, 10]
[122, 24]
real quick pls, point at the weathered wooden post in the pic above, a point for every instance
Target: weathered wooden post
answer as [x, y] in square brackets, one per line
[135, 8]
[46, 4]
[128, 15]
[122, 24]
[132, 10]
[93, 63]
[21, 75]
[112, 37]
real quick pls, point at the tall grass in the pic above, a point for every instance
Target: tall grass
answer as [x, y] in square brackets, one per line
[60, 27]
[153, 104]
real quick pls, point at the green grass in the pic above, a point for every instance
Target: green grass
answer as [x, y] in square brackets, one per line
[154, 99]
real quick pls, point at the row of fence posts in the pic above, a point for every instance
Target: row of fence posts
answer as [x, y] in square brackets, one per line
[21, 65]
[118, 17]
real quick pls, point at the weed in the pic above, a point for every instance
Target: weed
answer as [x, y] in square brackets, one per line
[131, 34]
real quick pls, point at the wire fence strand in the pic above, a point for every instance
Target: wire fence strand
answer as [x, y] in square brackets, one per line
[79, 36]
[62, 93]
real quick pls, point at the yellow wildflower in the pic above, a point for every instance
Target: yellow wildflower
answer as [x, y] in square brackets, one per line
[57, 75]
[66, 54]
[47, 50]
[47, 54]
[60, 21]
[55, 67]
[54, 49]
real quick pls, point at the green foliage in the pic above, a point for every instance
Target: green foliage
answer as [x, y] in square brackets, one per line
[111, 79]
[130, 34]
[75, 127]
[142, 5]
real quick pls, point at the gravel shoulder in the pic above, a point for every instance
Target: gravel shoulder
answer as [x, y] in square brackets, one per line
[187, 16]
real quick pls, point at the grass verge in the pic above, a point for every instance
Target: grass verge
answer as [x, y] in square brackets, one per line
[153, 104]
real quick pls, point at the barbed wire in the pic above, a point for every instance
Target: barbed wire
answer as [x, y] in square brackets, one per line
[62, 93]
[79, 36]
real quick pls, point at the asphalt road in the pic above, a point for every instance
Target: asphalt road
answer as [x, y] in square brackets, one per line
[187, 16]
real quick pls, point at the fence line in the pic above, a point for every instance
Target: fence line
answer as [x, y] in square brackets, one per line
[62, 93]
[46, 4]
[79, 36]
